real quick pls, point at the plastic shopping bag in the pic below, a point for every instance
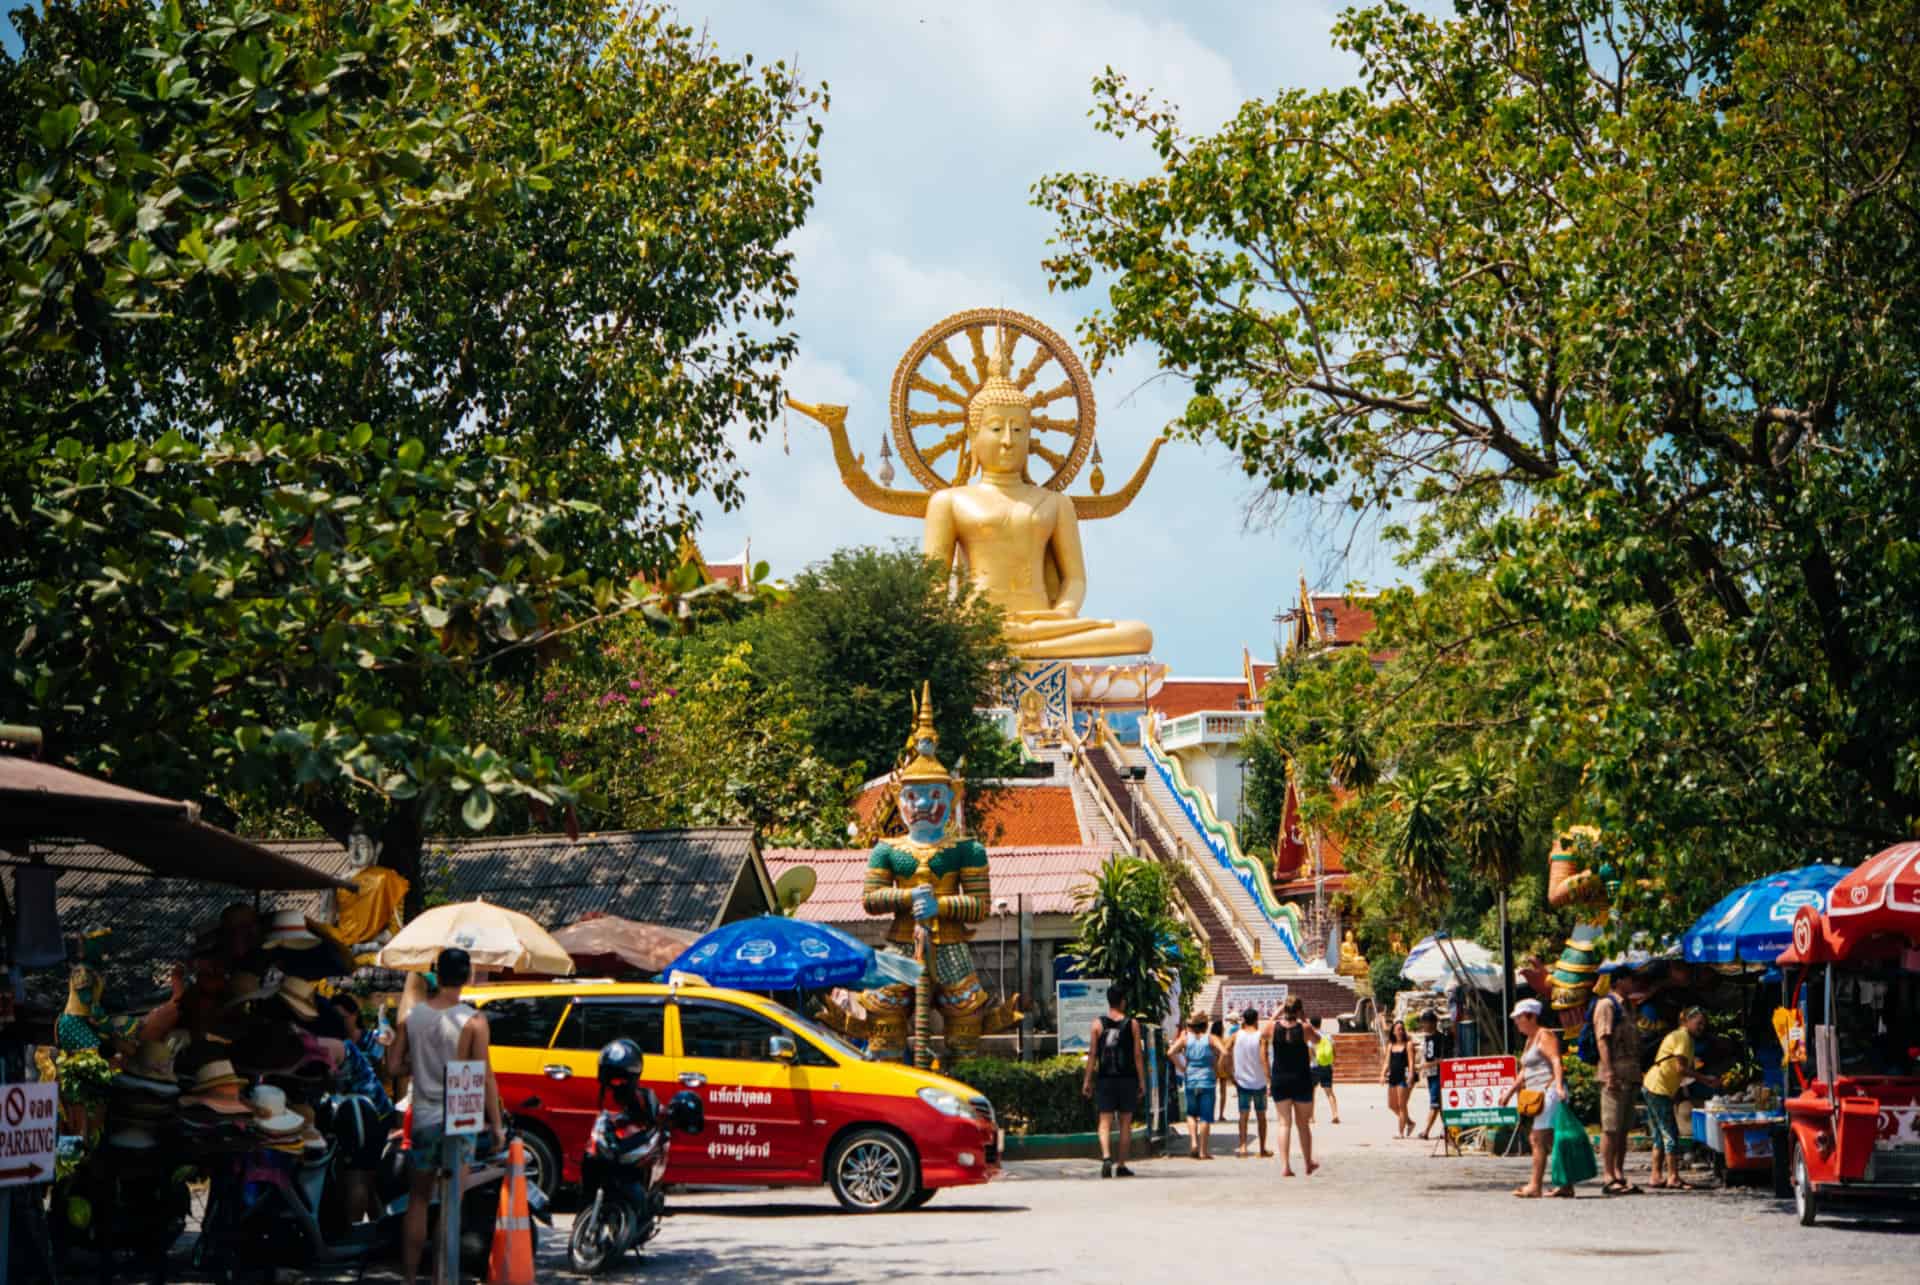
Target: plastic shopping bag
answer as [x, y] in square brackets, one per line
[1572, 1150]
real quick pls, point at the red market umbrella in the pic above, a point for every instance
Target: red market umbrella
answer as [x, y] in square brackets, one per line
[1880, 899]
[608, 944]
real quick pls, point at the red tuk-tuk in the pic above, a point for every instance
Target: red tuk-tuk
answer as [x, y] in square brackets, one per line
[1855, 1039]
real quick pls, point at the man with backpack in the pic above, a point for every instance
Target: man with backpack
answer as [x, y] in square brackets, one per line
[1115, 1080]
[1614, 1050]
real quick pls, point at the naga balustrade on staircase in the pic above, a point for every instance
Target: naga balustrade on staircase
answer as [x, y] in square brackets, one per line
[1172, 849]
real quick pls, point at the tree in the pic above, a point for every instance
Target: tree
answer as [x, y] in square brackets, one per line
[232, 224]
[1129, 932]
[853, 642]
[664, 740]
[1617, 305]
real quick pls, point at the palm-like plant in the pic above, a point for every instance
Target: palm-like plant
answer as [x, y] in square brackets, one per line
[1488, 817]
[1127, 932]
[1421, 841]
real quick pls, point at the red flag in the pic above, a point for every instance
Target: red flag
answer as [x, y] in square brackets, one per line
[1290, 854]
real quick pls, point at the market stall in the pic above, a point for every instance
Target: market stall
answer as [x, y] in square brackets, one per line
[1852, 1033]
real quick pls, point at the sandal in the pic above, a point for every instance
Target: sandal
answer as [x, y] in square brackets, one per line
[1563, 1193]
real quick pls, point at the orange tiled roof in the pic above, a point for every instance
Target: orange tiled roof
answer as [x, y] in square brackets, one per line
[1178, 697]
[1013, 815]
[1046, 875]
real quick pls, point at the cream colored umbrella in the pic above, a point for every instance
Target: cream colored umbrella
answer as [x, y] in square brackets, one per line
[492, 936]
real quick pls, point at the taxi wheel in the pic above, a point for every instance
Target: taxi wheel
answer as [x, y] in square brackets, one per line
[1804, 1202]
[873, 1171]
[543, 1159]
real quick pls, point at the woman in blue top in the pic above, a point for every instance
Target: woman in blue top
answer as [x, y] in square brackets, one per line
[1198, 1056]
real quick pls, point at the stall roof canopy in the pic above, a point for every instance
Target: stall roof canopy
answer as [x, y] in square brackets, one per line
[690, 879]
[42, 805]
[1880, 900]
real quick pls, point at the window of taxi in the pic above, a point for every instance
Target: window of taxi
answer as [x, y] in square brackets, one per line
[734, 1034]
[595, 1023]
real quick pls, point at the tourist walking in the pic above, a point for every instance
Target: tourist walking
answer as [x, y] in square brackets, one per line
[1116, 1077]
[1198, 1057]
[1616, 1037]
[1672, 1067]
[1395, 1076]
[439, 1029]
[1540, 1090]
[1223, 1068]
[1291, 1044]
[1432, 1048]
[1323, 1063]
[1249, 1051]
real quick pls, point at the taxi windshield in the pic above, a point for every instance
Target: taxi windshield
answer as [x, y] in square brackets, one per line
[821, 1034]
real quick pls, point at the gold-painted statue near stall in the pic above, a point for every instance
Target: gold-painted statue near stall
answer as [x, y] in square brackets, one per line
[936, 885]
[1016, 541]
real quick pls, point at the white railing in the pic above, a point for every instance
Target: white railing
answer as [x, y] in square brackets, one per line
[1209, 727]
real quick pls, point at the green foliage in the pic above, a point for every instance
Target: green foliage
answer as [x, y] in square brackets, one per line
[1383, 976]
[1031, 1097]
[851, 645]
[350, 356]
[1618, 312]
[678, 736]
[1583, 1087]
[1130, 933]
[1263, 796]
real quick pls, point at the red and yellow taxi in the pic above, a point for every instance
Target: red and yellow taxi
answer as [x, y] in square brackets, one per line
[788, 1103]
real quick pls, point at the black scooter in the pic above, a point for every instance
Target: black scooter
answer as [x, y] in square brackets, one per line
[622, 1197]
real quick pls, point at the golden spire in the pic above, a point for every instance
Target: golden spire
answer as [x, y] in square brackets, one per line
[924, 745]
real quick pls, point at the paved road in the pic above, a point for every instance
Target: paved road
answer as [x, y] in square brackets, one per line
[1379, 1210]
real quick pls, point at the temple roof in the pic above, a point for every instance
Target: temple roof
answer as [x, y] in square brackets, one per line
[1181, 696]
[1046, 875]
[1006, 814]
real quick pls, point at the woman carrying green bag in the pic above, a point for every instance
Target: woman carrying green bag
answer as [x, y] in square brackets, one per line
[1537, 1095]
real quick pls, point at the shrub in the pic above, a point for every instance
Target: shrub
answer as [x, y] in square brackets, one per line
[1583, 1088]
[1031, 1097]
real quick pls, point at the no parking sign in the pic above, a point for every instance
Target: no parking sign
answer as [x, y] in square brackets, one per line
[1471, 1089]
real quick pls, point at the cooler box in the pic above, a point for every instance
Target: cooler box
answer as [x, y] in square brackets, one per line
[1749, 1144]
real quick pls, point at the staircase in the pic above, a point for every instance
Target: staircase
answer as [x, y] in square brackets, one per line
[1356, 1058]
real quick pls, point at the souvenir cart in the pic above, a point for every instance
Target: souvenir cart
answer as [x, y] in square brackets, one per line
[1854, 1040]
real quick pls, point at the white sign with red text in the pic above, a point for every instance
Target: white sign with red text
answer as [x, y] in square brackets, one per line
[29, 1115]
[466, 1098]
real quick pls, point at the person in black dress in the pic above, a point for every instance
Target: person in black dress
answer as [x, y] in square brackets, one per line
[1292, 1046]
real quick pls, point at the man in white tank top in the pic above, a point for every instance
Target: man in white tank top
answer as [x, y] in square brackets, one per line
[440, 1029]
[1249, 1050]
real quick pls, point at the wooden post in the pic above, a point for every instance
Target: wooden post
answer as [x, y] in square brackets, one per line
[446, 1267]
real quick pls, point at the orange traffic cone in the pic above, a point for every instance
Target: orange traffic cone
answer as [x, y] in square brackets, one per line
[511, 1262]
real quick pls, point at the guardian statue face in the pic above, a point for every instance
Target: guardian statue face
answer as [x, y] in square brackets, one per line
[925, 809]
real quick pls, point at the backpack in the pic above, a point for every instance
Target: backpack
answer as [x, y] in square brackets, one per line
[1116, 1049]
[1588, 1050]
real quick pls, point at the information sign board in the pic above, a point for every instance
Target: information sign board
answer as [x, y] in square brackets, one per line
[1078, 1004]
[1471, 1089]
[1264, 998]
[466, 1098]
[29, 1115]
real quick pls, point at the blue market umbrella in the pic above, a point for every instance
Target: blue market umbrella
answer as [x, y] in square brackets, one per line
[773, 953]
[1754, 923]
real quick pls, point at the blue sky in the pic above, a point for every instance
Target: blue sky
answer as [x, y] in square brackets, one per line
[942, 118]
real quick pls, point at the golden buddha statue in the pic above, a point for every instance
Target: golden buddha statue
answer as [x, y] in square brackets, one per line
[1015, 541]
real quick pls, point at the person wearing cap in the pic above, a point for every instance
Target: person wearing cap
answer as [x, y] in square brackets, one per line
[438, 1030]
[1672, 1067]
[1540, 1072]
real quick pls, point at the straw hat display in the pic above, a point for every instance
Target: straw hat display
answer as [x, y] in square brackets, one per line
[216, 1088]
[300, 996]
[288, 931]
[151, 1070]
[271, 1118]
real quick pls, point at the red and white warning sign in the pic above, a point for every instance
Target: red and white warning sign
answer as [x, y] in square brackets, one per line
[1471, 1089]
[29, 1115]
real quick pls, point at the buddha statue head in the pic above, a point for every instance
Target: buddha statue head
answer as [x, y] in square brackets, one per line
[926, 787]
[999, 422]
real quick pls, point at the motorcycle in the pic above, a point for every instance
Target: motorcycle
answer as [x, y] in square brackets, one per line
[622, 1197]
[480, 1185]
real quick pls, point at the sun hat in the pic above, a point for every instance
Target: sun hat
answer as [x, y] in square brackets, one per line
[289, 930]
[151, 1069]
[298, 995]
[248, 987]
[217, 1087]
[1527, 1008]
[270, 1114]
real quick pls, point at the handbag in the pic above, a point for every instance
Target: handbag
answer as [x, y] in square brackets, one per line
[1529, 1103]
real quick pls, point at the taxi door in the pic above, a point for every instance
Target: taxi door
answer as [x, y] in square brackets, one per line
[755, 1078]
[571, 1067]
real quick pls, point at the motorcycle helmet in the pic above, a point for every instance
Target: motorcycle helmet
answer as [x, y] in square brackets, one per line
[620, 1064]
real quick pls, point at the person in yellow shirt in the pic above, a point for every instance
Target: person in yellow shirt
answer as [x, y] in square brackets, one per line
[1672, 1067]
